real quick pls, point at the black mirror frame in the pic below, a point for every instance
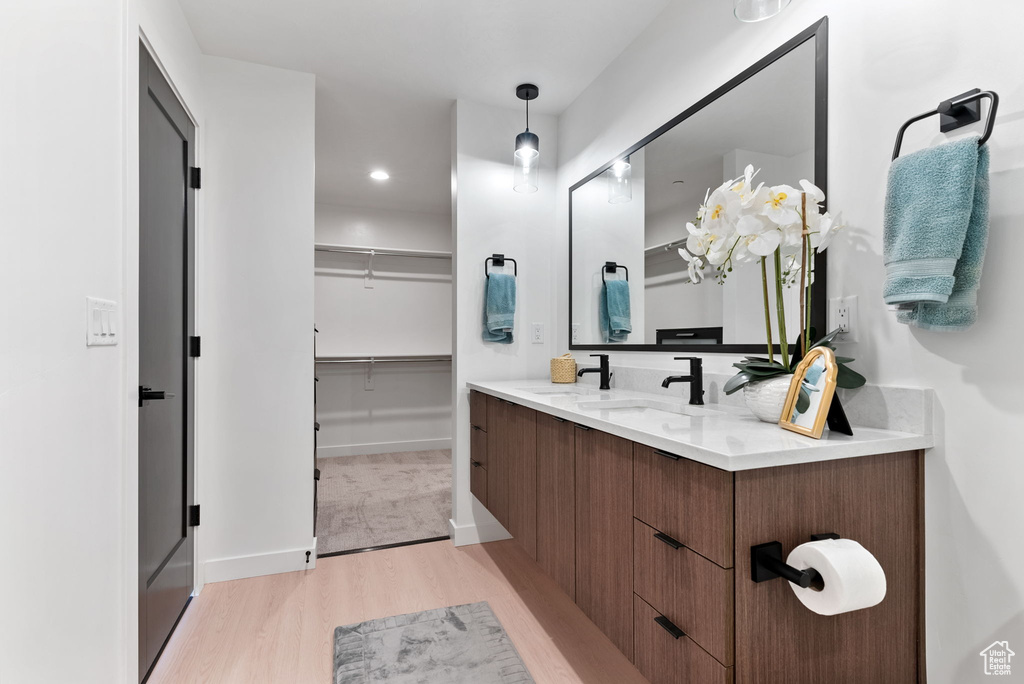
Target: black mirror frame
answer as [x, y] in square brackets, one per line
[818, 32]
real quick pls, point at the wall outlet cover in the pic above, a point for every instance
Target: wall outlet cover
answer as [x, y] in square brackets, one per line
[575, 333]
[537, 333]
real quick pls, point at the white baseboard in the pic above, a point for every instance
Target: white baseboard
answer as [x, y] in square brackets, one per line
[240, 567]
[476, 533]
[383, 447]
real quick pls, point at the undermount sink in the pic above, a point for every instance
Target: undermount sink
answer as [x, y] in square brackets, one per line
[559, 391]
[646, 408]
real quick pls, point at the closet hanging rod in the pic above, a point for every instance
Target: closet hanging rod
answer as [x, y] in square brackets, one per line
[416, 254]
[446, 358]
[664, 247]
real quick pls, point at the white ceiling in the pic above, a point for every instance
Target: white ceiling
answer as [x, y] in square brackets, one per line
[388, 71]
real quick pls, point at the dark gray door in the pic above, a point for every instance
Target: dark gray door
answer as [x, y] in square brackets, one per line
[166, 256]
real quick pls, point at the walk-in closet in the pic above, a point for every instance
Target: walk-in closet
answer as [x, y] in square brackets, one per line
[383, 301]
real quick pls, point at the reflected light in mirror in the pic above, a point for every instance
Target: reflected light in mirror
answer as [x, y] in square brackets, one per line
[758, 10]
[620, 182]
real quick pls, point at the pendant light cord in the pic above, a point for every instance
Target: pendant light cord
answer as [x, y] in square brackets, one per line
[527, 115]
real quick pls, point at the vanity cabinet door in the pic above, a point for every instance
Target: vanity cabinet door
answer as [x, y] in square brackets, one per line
[519, 436]
[688, 501]
[478, 464]
[604, 533]
[664, 657]
[556, 500]
[499, 414]
[478, 402]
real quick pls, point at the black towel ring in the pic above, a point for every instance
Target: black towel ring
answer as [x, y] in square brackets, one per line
[612, 267]
[956, 112]
[499, 260]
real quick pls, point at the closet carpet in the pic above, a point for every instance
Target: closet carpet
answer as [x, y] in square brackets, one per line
[367, 501]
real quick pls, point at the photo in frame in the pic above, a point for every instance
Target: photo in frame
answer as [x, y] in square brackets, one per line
[811, 393]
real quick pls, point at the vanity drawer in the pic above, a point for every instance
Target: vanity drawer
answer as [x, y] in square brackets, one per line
[665, 658]
[688, 589]
[686, 500]
[478, 409]
[478, 445]
[478, 481]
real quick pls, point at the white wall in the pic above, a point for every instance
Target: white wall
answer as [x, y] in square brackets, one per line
[908, 56]
[488, 217]
[408, 311]
[256, 481]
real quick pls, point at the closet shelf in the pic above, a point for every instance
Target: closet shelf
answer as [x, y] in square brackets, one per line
[438, 358]
[413, 253]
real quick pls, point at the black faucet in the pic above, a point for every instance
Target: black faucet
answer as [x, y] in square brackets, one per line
[606, 375]
[695, 378]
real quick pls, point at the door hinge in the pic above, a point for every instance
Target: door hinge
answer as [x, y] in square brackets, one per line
[194, 345]
[193, 516]
[195, 177]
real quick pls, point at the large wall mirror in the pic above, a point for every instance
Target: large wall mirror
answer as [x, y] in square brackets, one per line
[628, 218]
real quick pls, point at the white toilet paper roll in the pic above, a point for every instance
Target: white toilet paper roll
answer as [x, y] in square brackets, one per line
[853, 577]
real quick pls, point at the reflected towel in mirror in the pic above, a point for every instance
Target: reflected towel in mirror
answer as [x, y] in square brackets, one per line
[614, 312]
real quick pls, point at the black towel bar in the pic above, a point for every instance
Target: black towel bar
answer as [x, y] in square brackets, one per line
[612, 267]
[499, 260]
[956, 112]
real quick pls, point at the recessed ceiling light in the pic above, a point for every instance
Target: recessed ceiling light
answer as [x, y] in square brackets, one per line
[379, 175]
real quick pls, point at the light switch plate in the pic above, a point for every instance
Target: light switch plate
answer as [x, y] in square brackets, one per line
[101, 322]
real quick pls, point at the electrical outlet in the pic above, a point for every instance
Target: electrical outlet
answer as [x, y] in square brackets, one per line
[842, 314]
[575, 333]
[538, 333]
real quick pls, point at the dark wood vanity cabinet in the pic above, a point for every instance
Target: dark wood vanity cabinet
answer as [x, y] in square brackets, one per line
[655, 549]
[556, 500]
[604, 531]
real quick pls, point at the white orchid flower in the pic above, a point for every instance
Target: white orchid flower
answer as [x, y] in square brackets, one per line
[780, 205]
[814, 193]
[757, 236]
[694, 265]
[721, 211]
[827, 227]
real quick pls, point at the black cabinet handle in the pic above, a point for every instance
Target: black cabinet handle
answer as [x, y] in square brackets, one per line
[476, 464]
[510, 403]
[674, 457]
[660, 536]
[560, 420]
[667, 625]
[477, 427]
[583, 427]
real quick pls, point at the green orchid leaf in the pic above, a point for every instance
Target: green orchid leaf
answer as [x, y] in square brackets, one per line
[765, 366]
[848, 379]
[827, 340]
[803, 400]
[737, 382]
[763, 373]
[844, 359]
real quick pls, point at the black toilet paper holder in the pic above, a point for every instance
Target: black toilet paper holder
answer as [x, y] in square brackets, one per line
[766, 564]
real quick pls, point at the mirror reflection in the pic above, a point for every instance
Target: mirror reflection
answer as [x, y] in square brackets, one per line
[629, 282]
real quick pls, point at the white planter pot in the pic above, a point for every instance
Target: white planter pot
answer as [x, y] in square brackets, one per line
[766, 398]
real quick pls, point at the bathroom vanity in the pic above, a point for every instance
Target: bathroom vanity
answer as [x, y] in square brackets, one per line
[644, 511]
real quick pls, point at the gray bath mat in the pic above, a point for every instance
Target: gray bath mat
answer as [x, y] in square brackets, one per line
[455, 645]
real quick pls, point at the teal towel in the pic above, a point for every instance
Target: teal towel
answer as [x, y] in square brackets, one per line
[960, 311]
[613, 311]
[499, 308]
[936, 210]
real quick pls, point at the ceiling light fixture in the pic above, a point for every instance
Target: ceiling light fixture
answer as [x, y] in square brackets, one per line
[757, 10]
[526, 161]
[379, 175]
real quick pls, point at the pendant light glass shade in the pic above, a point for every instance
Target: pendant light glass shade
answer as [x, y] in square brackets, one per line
[758, 10]
[620, 182]
[526, 162]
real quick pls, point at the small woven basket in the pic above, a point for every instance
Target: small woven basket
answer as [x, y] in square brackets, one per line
[563, 369]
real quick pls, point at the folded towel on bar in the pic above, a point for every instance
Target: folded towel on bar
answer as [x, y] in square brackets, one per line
[499, 308]
[613, 311]
[936, 232]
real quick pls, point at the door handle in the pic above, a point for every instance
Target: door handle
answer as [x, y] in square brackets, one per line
[149, 394]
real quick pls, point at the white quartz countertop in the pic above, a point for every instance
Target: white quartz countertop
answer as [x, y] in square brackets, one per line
[726, 437]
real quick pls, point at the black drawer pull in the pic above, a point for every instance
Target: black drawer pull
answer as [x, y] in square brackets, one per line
[560, 420]
[660, 536]
[476, 464]
[583, 427]
[477, 427]
[510, 403]
[674, 457]
[667, 625]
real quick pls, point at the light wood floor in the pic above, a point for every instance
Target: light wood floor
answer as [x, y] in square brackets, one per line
[279, 628]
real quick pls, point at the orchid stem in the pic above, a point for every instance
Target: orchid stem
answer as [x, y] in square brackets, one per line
[767, 310]
[810, 293]
[780, 308]
[803, 274]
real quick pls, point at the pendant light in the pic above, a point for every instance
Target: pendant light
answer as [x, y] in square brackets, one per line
[757, 10]
[526, 161]
[620, 182]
